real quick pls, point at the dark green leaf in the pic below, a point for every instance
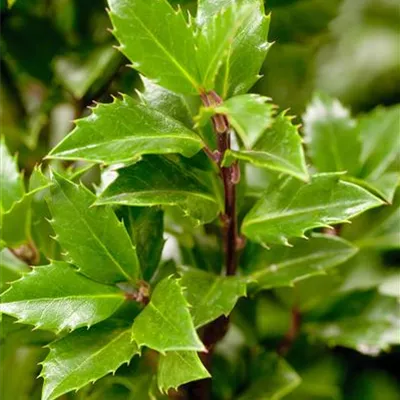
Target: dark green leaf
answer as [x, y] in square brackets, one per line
[93, 237]
[179, 367]
[85, 356]
[331, 136]
[210, 295]
[163, 181]
[273, 378]
[283, 266]
[279, 149]
[56, 297]
[165, 324]
[290, 208]
[247, 50]
[158, 41]
[122, 132]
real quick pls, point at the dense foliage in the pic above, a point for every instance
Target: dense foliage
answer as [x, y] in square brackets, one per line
[191, 238]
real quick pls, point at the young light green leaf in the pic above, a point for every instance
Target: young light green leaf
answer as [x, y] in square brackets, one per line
[210, 295]
[279, 149]
[247, 50]
[176, 368]
[250, 115]
[163, 181]
[85, 356]
[158, 41]
[95, 240]
[56, 297]
[146, 227]
[122, 132]
[176, 106]
[215, 37]
[283, 265]
[379, 133]
[290, 208]
[11, 182]
[165, 324]
[331, 136]
[391, 285]
[272, 379]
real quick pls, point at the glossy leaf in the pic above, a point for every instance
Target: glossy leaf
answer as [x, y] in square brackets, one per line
[210, 295]
[215, 38]
[379, 133]
[85, 356]
[247, 50]
[290, 208]
[11, 268]
[279, 149]
[158, 41]
[331, 136]
[163, 181]
[250, 115]
[95, 240]
[56, 297]
[272, 379]
[11, 183]
[146, 227]
[122, 132]
[283, 266]
[165, 324]
[179, 367]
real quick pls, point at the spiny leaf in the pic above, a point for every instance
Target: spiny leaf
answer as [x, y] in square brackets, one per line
[11, 268]
[290, 208]
[331, 136]
[85, 356]
[163, 181]
[247, 50]
[279, 149]
[210, 295]
[56, 297]
[215, 38]
[122, 132]
[93, 237]
[165, 324]
[272, 379]
[179, 367]
[283, 266]
[250, 115]
[158, 41]
[11, 183]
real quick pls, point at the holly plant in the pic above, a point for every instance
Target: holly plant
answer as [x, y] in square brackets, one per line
[204, 257]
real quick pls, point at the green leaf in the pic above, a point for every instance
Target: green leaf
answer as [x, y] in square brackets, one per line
[11, 182]
[290, 208]
[247, 50]
[391, 285]
[158, 41]
[272, 379]
[95, 240]
[283, 266]
[175, 105]
[11, 268]
[279, 149]
[85, 356]
[55, 297]
[215, 37]
[379, 133]
[146, 227]
[165, 324]
[364, 321]
[210, 295]
[179, 367]
[250, 115]
[162, 181]
[331, 136]
[80, 74]
[122, 132]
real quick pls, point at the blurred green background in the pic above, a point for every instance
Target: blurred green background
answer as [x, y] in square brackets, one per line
[57, 57]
